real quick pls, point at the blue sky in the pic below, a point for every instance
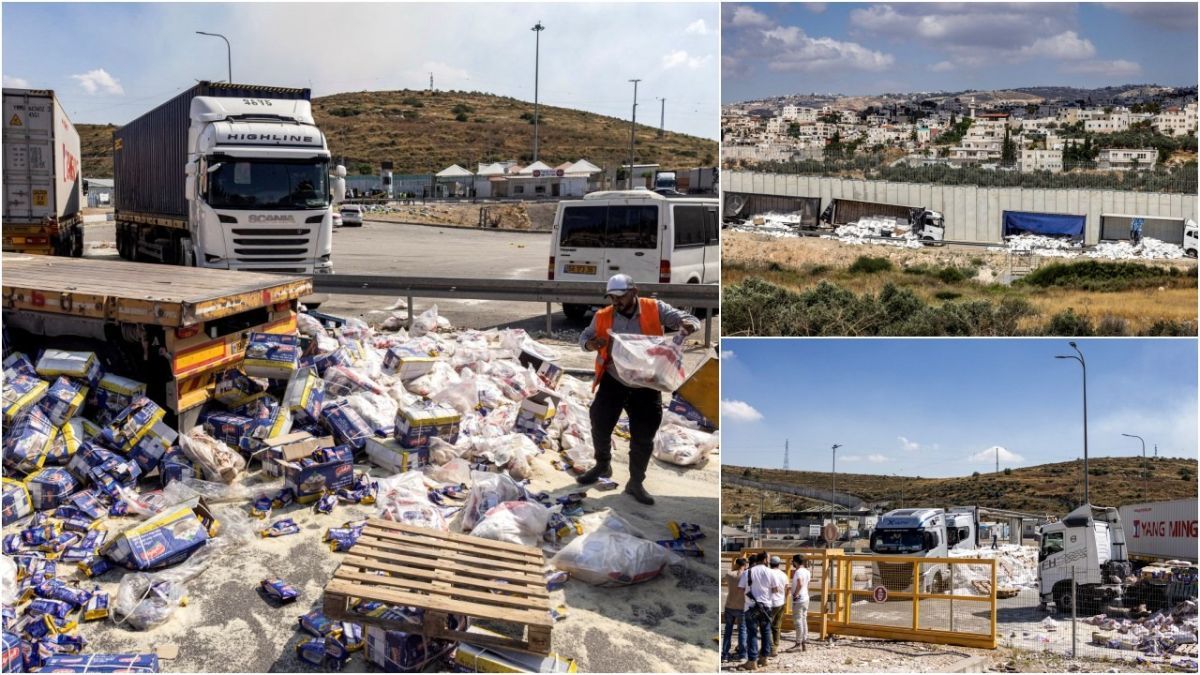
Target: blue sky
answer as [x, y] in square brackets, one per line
[928, 407]
[110, 62]
[868, 48]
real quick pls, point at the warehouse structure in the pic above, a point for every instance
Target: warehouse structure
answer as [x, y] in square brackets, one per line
[972, 213]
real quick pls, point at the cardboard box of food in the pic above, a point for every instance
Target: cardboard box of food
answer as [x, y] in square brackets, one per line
[536, 412]
[27, 442]
[407, 362]
[688, 411]
[272, 356]
[114, 394]
[100, 663]
[475, 659]
[135, 421]
[165, 539]
[62, 400]
[399, 652]
[417, 424]
[311, 472]
[391, 455]
[21, 393]
[79, 365]
[547, 371]
[298, 444]
[16, 502]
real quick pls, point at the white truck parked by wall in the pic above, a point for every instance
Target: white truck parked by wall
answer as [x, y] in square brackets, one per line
[924, 533]
[229, 176]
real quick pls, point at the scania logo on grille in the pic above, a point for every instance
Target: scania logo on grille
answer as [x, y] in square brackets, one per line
[273, 219]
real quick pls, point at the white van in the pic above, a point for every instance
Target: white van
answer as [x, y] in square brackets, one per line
[1189, 238]
[652, 238]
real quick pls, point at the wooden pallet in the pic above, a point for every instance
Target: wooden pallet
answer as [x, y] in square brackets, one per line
[445, 573]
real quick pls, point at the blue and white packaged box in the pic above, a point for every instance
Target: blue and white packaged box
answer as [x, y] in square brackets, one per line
[272, 356]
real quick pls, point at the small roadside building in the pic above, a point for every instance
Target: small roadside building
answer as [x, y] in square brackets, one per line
[453, 181]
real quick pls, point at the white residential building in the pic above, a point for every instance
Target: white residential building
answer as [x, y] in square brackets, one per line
[1127, 158]
[1110, 124]
[1176, 121]
[1041, 160]
[776, 125]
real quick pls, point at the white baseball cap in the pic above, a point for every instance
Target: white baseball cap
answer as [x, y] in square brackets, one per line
[618, 284]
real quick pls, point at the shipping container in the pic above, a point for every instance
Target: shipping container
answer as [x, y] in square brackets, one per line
[1115, 227]
[742, 205]
[1161, 530]
[150, 153]
[848, 211]
[43, 179]
[1046, 224]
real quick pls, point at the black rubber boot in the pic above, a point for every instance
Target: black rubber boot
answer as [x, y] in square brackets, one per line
[601, 470]
[639, 493]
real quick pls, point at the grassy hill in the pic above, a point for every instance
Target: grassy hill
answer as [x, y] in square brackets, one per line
[1048, 488]
[424, 132]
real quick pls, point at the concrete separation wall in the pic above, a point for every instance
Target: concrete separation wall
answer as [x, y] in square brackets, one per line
[972, 213]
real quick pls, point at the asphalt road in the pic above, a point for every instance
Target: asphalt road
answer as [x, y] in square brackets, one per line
[422, 250]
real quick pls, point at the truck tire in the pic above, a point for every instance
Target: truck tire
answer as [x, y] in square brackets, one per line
[1063, 600]
[575, 313]
[77, 243]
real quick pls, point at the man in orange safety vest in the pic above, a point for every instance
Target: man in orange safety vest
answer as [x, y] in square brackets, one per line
[627, 314]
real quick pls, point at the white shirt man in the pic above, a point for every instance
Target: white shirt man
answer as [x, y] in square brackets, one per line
[800, 579]
[760, 583]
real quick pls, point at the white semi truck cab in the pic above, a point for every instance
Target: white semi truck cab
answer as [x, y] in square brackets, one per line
[1088, 543]
[259, 190]
[228, 176]
[922, 533]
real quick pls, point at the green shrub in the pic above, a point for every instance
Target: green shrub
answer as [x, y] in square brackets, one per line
[1008, 471]
[1169, 328]
[951, 275]
[462, 108]
[1068, 324]
[1112, 326]
[1098, 275]
[947, 295]
[345, 112]
[413, 102]
[817, 270]
[866, 264]
[460, 117]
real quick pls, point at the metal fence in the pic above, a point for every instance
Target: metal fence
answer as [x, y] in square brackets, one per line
[1148, 618]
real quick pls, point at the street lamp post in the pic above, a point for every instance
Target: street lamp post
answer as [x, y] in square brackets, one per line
[835, 447]
[1079, 358]
[1145, 471]
[537, 47]
[228, 51]
[632, 136]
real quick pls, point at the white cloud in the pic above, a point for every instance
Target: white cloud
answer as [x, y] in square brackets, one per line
[17, 82]
[1115, 68]
[909, 445]
[816, 7]
[680, 57]
[852, 458]
[873, 458]
[796, 52]
[99, 81]
[738, 411]
[697, 27]
[744, 17]
[942, 67]
[445, 76]
[989, 455]
[1065, 45]
[728, 354]
[877, 458]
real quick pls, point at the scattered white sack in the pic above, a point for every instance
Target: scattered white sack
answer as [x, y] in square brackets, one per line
[649, 361]
[610, 558]
[516, 522]
[425, 322]
[463, 395]
[441, 376]
[456, 472]
[377, 410]
[219, 461]
[8, 577]
[441, 451]
[404, 498]
[487, 491]
[683, 446]
[1149, 249]
[611, 520]
[516, 381]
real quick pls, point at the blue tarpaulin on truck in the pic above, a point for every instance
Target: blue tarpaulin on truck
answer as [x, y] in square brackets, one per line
[1049, 224]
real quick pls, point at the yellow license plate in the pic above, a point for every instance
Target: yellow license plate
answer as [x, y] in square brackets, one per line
[40, 197]
[579, 269]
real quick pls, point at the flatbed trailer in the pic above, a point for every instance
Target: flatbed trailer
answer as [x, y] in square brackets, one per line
[176, 329]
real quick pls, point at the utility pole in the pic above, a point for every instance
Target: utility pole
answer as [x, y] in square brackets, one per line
[1083, 364]
[835, 447]
[537, 46]
[431, 81]
[785, 455]
[632, 136]
[228, 51]
[997, 459]
[662, 117]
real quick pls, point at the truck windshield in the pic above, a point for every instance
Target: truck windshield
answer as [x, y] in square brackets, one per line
[238, 183]
[897, 541]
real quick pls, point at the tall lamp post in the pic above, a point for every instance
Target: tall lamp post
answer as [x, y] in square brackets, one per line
[1079, 358]
[228, 51]
[835, 447]
[537, 47]
[1145, 472]
[632, 136]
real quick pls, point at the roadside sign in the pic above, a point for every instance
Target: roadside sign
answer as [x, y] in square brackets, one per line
[814, 531]
[559, 173]
[830, 532]
[879, 594]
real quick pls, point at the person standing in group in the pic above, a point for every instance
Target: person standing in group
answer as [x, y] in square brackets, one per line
[801, 575]
[778, 603]
[735, 607]
[627, 314]
[759, 584]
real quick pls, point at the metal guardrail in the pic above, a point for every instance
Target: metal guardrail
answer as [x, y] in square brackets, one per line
[700, 296]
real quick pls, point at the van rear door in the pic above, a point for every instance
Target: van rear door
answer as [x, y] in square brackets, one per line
[691, 239]
[596, 241]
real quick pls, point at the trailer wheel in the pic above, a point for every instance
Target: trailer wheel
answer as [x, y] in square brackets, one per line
[1063, 602]
[77, 243]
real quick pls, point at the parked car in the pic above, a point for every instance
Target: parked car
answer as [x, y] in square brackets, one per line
[337, 219]
[352, 214]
